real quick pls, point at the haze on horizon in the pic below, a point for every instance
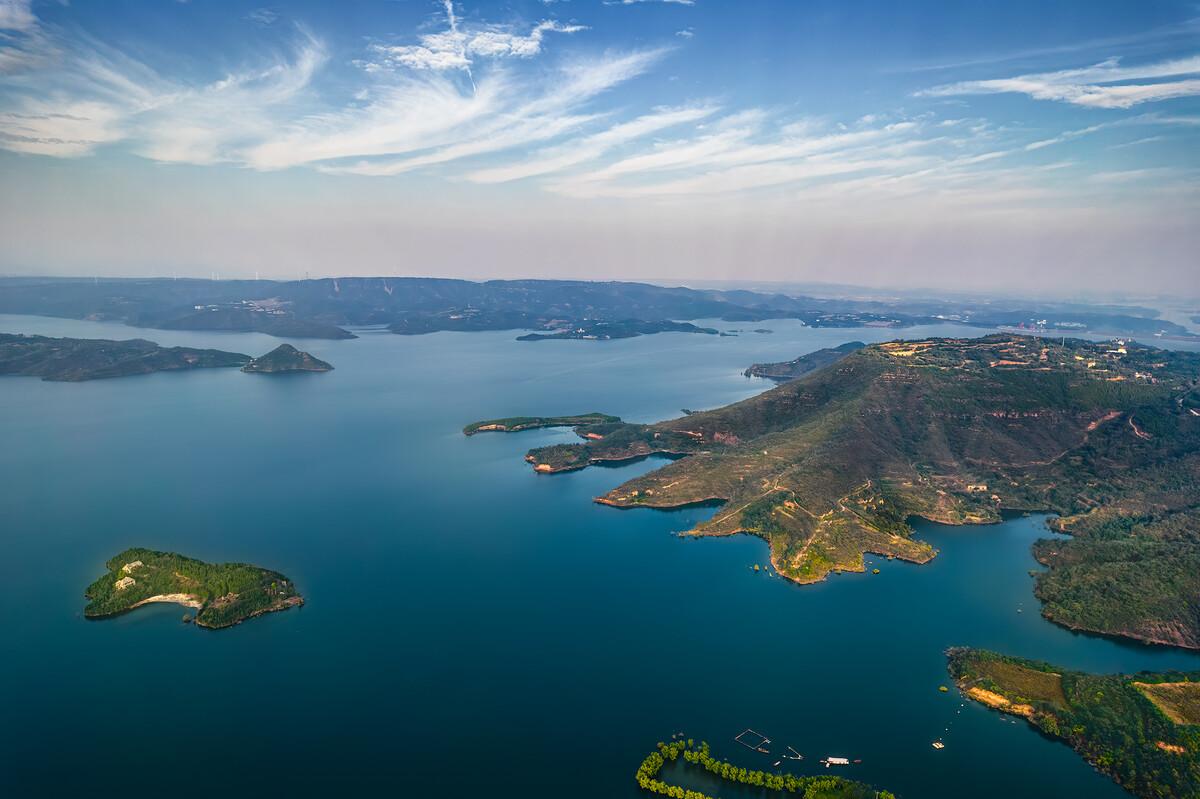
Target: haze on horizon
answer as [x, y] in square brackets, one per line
[1018, 147]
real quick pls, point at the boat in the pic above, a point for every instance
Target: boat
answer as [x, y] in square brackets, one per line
[938, 745]
[836, 761]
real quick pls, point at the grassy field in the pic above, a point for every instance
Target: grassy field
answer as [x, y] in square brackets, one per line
[1179, 701]
[1023, 684]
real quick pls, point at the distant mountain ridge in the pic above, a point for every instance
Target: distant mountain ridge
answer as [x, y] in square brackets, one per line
[323, 308]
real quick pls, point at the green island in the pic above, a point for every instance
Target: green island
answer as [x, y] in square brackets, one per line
[223, 594]
[286, 358]
[77, 359]
[823, 787]
[515, 424]
[1141, 730]
[799, 367]
[832, 465]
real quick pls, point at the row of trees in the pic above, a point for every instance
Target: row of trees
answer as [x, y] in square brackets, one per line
[808, 787]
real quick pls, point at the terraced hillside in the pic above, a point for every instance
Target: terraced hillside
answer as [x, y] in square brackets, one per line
[830, 466]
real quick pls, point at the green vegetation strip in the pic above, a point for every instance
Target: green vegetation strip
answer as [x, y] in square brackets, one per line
[824, 787]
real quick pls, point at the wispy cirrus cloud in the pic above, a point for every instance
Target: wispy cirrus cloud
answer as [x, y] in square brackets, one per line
[500, 114]
[1103, 85]
[639, 2]
[101, 96]
[17, 15]
[589, 148]
[411, 113]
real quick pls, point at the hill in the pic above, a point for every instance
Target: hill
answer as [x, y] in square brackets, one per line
[830, 466]
[75, 359]
[1119, 724]
[286, 358]
[224, 594]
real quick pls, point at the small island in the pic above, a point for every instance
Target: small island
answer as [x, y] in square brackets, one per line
[1140, 730]
[628, 328]
[223, 594]
[77, 359]
[284, 359]
[799, 367]
[515, 424]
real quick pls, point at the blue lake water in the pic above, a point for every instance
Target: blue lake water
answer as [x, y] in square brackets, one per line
[472, 629]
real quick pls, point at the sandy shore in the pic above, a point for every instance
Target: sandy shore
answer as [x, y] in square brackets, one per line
[187, 600]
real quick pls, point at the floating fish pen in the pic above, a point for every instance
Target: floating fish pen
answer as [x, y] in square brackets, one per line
[792, 754]
[753, 740]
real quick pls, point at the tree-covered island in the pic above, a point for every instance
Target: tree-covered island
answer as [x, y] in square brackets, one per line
[223, 594]
[1141, 730]
[832, 465]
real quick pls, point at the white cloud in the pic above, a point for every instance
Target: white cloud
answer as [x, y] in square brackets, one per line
[17, 15]
[263, 16]
[686, 33]
[458, 46]
[1103, 85]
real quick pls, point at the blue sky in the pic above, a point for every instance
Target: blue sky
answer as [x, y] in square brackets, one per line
[967, 144]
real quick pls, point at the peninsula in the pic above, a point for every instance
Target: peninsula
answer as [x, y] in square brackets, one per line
[831, 466]
[76, 359]
[515, 424]
[286, 358]
[1142, 730]
[223, 594]
[799, 367]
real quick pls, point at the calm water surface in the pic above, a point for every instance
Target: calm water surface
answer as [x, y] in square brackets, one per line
[471, 629]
